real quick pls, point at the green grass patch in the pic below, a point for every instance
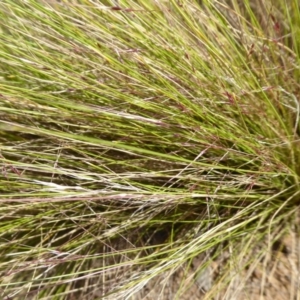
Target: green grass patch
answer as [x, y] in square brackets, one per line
[137, 137]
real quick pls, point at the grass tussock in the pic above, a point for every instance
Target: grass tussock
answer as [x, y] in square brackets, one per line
[147, 143]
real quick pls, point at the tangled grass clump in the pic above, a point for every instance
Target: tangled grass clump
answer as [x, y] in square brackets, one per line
[148, 143]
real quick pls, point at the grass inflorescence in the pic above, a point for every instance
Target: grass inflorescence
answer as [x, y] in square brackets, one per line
[146, 143]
